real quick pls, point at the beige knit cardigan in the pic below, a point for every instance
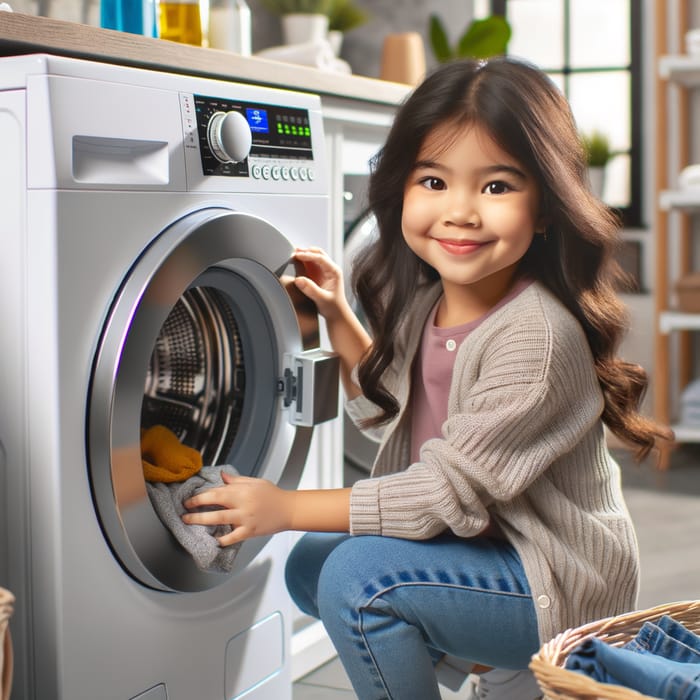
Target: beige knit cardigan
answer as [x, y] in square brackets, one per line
[523, 445]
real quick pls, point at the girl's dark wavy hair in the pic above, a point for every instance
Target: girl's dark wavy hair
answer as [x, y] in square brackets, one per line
[530, 119]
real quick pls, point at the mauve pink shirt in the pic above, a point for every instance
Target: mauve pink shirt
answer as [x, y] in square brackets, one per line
[432, 372]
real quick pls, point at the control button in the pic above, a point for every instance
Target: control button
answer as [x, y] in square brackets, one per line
[294, 172]
[543, 601]
[451, 345]
[266, 172]
[312, 174]
[303, 174]
[276, 172]
[229, 136]
[256, 172]
[285, 172]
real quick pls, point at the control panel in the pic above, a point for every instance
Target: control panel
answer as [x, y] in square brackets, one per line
[250, 139]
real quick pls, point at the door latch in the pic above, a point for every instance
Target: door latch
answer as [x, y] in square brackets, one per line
[310, 386]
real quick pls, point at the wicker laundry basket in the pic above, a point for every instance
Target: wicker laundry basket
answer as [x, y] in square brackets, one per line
[559, 684]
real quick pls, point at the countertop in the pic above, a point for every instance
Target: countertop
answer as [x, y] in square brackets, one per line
[23, 34]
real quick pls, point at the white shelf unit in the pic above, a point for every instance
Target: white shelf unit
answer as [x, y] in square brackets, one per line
[670, 321]
[682, 70]
[687, 200]
[676, 208]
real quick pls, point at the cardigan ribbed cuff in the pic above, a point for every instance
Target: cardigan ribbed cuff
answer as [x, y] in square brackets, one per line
[365, 518]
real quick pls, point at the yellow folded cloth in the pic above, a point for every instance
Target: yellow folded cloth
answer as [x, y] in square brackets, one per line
[165, 458]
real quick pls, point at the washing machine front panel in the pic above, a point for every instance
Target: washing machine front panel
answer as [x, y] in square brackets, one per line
[204, 338]
[106, 174]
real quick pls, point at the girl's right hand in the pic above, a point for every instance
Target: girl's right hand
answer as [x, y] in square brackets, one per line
[323, 282]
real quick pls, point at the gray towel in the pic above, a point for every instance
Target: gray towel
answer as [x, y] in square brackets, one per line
[199, 540]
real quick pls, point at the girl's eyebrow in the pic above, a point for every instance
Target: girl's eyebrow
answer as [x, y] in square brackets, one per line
[424, 164]
[484, 172]
[503, 168]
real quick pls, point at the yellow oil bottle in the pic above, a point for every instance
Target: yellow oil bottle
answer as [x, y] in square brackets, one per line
[180, 21]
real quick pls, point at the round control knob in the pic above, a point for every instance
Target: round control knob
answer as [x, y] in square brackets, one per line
[229, 136]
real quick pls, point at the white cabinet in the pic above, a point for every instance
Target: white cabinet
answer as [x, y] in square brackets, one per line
[355, 130]
[677, 238]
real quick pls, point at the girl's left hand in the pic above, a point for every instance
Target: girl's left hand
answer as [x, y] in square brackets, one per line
[323, 283]
[253, 507]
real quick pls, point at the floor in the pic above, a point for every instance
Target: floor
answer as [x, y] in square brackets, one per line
[666, 509]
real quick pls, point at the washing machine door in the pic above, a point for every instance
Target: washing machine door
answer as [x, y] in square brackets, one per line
[209, 338]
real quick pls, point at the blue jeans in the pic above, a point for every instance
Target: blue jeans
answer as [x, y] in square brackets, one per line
[662, 661]
[393, 607]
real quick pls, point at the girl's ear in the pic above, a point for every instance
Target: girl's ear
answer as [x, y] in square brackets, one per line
[541, 225]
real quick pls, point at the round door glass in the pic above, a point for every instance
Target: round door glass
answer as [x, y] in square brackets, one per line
[194, 347]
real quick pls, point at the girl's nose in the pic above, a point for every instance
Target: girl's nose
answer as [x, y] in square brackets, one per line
[474, 220]
[462, 212]
[462, 208]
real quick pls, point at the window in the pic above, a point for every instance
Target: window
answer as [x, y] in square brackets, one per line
[591, 49]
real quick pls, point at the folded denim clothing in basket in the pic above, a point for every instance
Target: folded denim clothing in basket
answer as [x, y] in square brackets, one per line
[662, 661]
[667, 638]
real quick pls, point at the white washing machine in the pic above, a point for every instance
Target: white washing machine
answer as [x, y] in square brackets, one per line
[146, 225]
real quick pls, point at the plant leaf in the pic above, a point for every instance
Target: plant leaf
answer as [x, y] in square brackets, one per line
[438, 40]
[344, 15]
[484, 38]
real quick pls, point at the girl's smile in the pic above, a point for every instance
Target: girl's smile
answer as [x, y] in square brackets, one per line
[460, 247]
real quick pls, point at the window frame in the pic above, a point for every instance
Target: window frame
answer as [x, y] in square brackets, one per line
[632, 215]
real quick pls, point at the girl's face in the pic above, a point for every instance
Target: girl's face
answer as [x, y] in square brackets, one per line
[470, 211]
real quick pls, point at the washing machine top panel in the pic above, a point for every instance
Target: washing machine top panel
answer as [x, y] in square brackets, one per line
[98, 126]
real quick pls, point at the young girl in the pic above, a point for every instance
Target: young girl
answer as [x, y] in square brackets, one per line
[493, 518]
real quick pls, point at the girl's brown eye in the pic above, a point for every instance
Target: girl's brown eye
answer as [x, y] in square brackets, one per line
[433, 183]
[497, 187]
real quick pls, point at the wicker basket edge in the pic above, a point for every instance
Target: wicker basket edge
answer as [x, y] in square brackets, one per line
[558, 683]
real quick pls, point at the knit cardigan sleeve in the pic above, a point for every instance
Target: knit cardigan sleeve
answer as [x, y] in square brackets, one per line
[523, 393]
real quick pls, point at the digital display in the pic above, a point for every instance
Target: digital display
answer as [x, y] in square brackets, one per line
[279, 132]
[257, 120]
[285, 128]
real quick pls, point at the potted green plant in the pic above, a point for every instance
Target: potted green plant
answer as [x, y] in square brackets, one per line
[597, 147]
[298, 7]
[482, 38]
[344, 15]
[598, 152]
[301, 20]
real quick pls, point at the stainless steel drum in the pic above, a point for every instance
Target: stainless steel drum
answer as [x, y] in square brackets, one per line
[195, 384]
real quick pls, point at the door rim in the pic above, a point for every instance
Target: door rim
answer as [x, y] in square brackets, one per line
[247, 246]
